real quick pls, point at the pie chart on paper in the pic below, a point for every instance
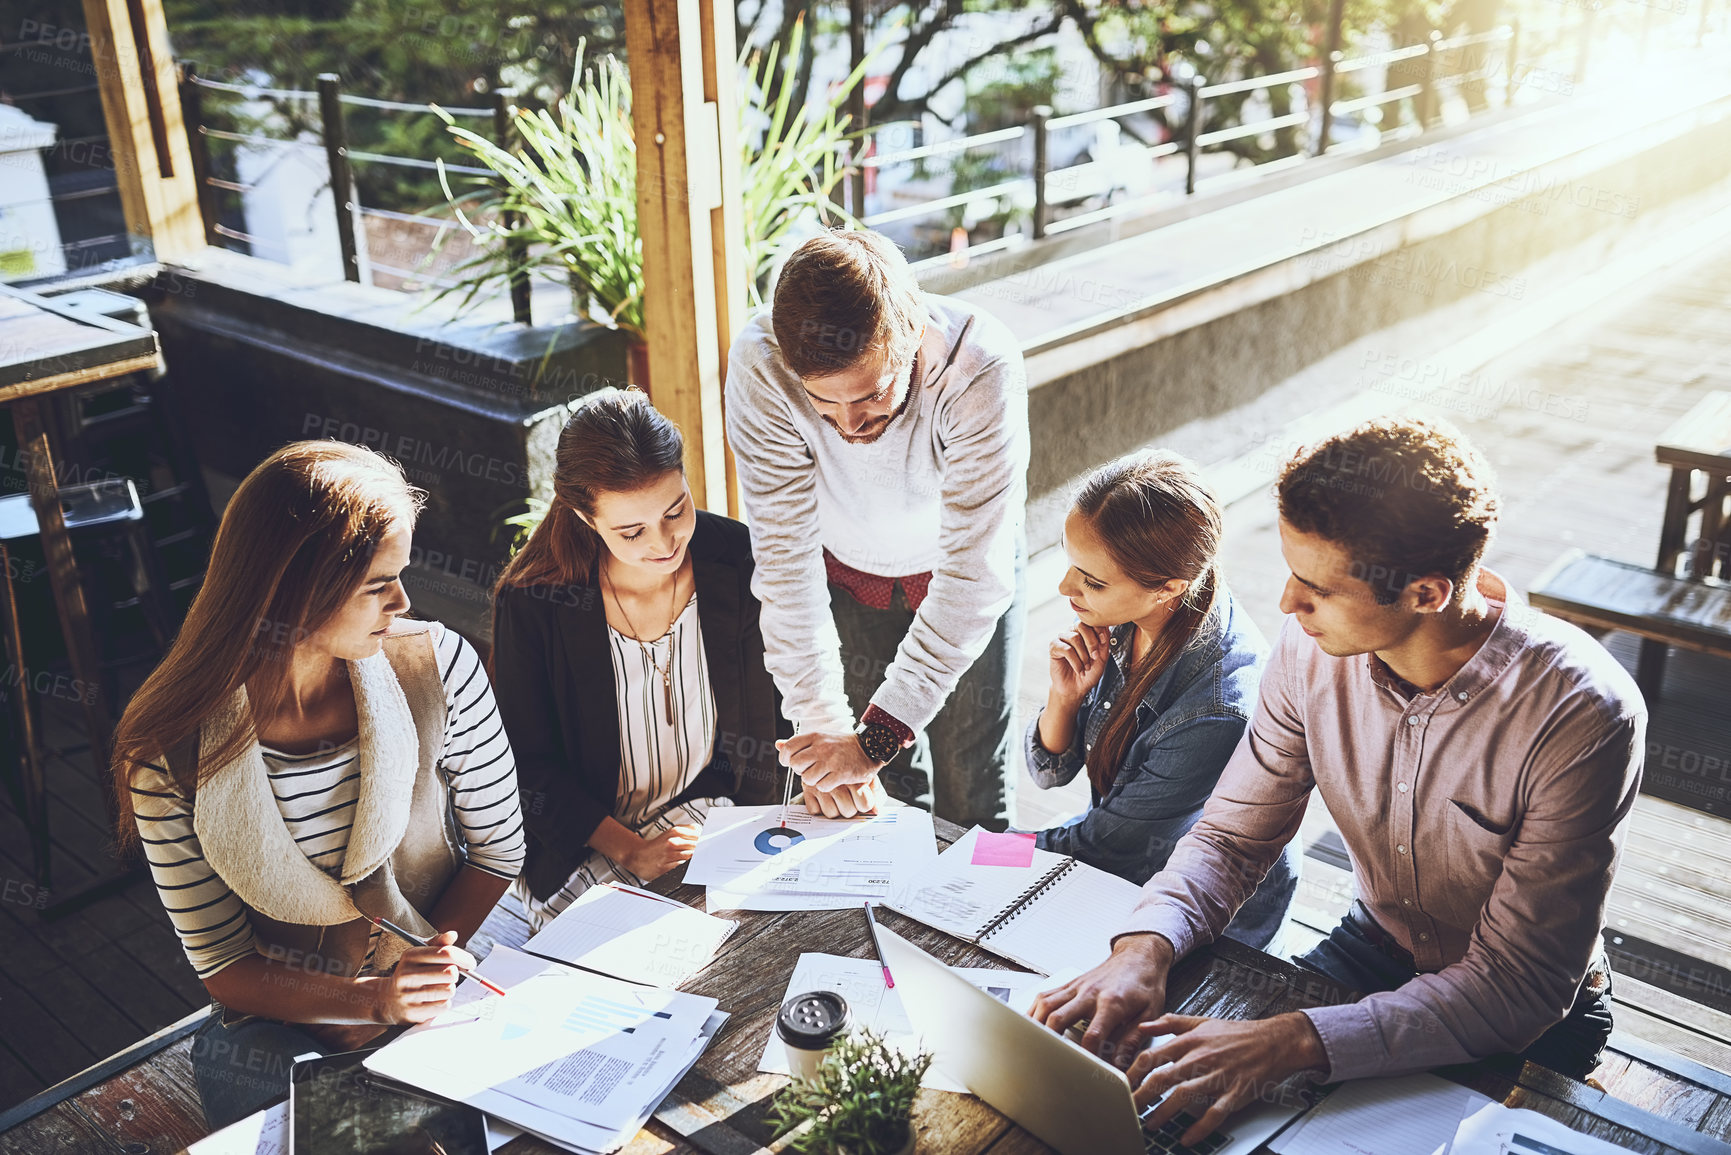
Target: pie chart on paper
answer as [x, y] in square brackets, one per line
[777, 839]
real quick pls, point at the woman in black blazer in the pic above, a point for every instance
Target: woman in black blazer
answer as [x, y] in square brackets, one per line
[627, 661]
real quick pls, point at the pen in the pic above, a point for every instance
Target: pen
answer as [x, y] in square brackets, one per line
[872, 926]
[417, 940]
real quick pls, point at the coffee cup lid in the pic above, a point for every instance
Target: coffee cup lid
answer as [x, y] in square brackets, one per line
[814, 1020]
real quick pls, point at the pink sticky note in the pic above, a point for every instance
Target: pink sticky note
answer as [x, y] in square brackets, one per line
[1003, 849]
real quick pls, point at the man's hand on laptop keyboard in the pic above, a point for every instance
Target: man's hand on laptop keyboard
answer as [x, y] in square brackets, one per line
[1128, 988]
[1212, 1067]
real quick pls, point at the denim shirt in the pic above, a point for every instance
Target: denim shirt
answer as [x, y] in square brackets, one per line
[1187, 725]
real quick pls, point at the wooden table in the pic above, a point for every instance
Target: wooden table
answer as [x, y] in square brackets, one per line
[45, 348]
[147, 1105]
[1697, 448]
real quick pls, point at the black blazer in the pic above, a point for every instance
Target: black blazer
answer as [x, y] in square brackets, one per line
[553, 680]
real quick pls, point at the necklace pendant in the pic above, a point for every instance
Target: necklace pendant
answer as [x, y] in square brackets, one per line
[667, 689]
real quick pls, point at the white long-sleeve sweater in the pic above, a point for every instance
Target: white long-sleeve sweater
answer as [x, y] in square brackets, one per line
[942, 491]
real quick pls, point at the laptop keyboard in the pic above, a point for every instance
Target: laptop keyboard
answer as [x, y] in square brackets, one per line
[1165, 1140]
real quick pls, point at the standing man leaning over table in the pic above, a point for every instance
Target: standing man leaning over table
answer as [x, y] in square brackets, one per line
[882, 442]
[1480, 758]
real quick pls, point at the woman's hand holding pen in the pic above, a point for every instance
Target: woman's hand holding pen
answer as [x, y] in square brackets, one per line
[656, 854]
[423, 982]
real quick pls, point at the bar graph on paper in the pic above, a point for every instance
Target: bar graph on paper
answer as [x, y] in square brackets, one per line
[605, 1017]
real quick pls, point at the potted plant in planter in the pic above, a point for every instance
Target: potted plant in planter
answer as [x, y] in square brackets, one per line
[565, 204]
[860, 1102]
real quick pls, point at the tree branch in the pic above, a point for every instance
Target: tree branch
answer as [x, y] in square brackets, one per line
[955, 74]
[893, 107]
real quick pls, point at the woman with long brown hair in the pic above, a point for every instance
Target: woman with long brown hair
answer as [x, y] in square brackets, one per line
[1152, 688]
[629, 662]
[302, 762]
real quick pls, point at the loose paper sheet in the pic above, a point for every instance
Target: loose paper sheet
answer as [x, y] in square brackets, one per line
[1409, 1115]
[632, 934]
[562, 1045]
[265, 1133]
[1494, 1129]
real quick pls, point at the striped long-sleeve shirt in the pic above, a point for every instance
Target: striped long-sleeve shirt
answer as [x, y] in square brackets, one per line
[317, 794]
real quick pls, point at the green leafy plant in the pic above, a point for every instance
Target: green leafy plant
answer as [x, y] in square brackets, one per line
[565, 203]
[860, 1101]
[790, 154]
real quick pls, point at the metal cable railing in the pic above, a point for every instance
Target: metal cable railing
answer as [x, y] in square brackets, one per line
[1190, 99]
[340, 159]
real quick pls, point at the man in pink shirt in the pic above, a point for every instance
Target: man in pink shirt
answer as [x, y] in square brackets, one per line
[1481, 760]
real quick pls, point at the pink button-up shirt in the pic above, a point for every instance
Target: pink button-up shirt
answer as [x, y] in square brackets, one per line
[1483, 819]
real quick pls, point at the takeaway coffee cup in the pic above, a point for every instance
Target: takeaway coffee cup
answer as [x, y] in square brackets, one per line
[808, 1026]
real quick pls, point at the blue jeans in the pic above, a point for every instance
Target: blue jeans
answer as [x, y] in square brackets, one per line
[1351, 957]
[972, 741]
[242, 1069]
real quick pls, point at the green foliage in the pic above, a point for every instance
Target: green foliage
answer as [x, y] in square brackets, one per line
[861, 1099]
[790, 155]
[569, 198]
[520, 525]
[567, 202]
[1016, 85]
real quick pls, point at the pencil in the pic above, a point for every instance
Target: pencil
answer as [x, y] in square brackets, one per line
[872, 926]
[417, 940]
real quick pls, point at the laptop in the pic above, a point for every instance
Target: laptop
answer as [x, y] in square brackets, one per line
[1072, 1100]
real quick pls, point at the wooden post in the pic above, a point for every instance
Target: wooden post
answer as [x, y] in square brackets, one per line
[1193, 132]
[1584, 48]
[141, 107]
[682, 110]
[64, 583]
[1330, 58]
[726, 220]
[1042, 114]
[192, 104]
[342, 180]
[1512, 60]
[1430, 94]
[505, 136]
[856, 104]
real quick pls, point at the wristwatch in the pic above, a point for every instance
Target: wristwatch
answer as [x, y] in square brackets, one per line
[880, 742]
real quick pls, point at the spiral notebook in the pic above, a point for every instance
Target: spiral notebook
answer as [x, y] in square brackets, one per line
[1055, 914]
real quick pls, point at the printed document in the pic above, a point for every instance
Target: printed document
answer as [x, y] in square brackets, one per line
[632, 934]
[1409, 1115]
[1498, 1130]
[579, 1057]
[751, 859]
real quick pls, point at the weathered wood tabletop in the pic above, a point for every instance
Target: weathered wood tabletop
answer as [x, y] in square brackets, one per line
[721, 1107]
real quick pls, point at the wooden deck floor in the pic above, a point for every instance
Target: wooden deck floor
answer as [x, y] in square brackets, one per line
[80, 987]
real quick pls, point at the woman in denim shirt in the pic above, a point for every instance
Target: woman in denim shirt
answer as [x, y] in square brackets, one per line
[1151, 690]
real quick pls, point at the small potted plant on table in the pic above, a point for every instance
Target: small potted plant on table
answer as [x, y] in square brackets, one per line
[860, 1102]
